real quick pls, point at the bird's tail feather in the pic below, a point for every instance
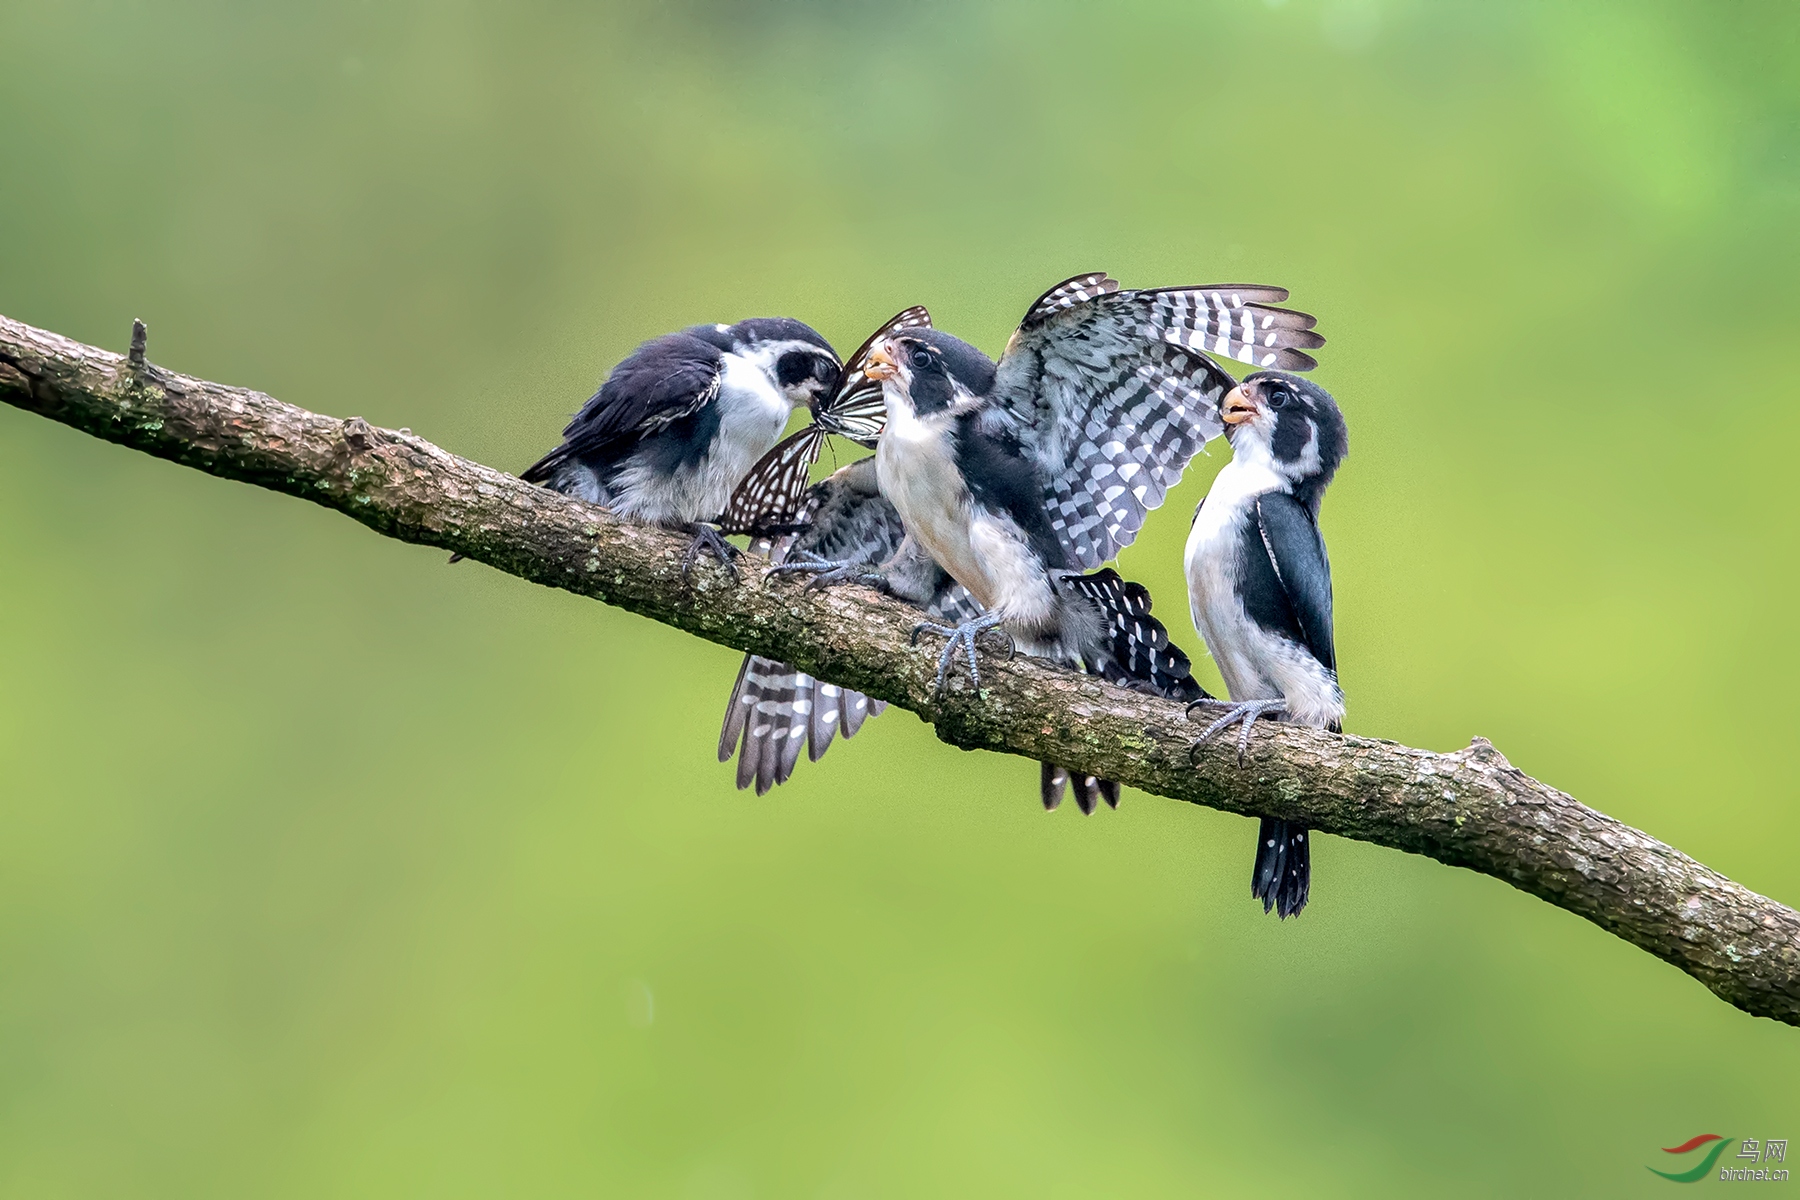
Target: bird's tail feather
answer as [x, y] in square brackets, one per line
[774, 710]
[1089, 789]
[1137, 653]
[544, 469]
[1282, 876]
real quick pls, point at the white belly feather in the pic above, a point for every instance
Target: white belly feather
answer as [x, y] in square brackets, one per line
[985, 552]
[1255, 663]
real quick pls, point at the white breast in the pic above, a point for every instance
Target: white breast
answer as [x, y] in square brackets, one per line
[916, 468]
[752, 414]
[1255, 664]
[1212, 574]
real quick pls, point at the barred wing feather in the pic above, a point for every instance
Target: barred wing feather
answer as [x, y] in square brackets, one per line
[1078, 289]
[1236, 321]
[1113, 418]
[1115, 394]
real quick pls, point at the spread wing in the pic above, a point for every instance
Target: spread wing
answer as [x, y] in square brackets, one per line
[1238, 321]
[774, 492]
[1112, 398]
[856, 410]
[659, 383]
[1077, 289]
[1297, 553]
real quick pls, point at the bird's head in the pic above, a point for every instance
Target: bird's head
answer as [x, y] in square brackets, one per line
[929, 371]
[1291, 422]
[801, 362]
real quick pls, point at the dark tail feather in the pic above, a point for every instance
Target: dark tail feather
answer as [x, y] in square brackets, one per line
[1138, 652]
[1283, 873]
[541, 471]
[1089, 789]
[763, 722]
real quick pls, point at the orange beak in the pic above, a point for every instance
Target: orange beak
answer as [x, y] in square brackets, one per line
[881, 363]
[1236, 408]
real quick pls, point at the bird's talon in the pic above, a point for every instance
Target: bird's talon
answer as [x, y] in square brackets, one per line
[1204, 702]
[827, 572]
[1243, 715]
[708, 540]
[963, 636]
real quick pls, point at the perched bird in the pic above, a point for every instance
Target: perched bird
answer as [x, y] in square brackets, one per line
[684, 418]
[1016, 477]
[775, 709]
[1259, 584]
[772, 495]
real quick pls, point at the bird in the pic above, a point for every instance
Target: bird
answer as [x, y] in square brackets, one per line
[683, 419]
[775, 709]
[769, 499]
[1018, 475]
[1015, 477]
[1259, 586]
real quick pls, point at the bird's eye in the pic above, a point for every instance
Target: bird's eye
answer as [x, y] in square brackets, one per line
[791, 368]
[918, 359]
[1278, 397]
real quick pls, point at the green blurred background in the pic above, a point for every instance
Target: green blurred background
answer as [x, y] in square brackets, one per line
[327, 869]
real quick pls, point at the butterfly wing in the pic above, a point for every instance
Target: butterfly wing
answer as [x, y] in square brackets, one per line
[856, 410]
[772, 493]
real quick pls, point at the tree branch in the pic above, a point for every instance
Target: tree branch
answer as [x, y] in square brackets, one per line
[1469, 809]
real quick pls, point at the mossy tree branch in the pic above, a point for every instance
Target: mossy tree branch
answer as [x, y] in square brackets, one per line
[1469, 809]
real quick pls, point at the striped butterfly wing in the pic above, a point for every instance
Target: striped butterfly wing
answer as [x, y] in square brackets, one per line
[856, 410]
[772, 494]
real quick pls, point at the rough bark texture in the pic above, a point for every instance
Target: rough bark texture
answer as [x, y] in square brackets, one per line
[1469, 809]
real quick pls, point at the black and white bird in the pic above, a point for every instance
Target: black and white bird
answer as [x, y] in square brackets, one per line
[1019, 476]
[775, 709]
[1259, 584]
[682, 420]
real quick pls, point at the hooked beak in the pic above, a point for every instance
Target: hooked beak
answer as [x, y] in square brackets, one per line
[1236, 408]
[881, 363]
